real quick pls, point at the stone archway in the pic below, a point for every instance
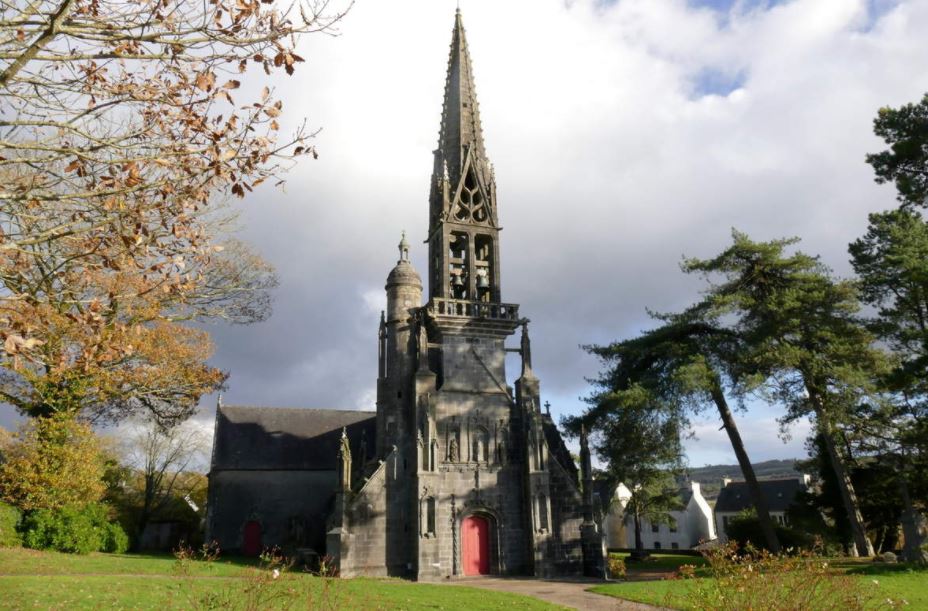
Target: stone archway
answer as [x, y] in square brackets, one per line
[475, 545]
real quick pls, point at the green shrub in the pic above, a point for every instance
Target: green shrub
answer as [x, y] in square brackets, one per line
[745, 529]
[78, 530]
[757, 579]
[9, 520]
[616, 567]
[116, 540]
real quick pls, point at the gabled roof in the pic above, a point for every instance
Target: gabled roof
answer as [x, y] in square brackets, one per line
[606, 489]
[685, 494]
[780, 494]
[274, 438]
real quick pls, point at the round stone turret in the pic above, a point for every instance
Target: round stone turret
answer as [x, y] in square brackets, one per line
[404, 286]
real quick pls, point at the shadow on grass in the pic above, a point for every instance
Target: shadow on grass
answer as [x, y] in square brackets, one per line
[882, 568]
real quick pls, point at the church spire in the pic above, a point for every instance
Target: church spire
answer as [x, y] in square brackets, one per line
[463, 228]
[460, 125]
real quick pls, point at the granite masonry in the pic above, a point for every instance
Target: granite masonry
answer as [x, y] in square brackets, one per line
[456, 473]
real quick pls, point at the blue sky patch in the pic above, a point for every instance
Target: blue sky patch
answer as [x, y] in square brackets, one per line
[726, 5]
[711, 81]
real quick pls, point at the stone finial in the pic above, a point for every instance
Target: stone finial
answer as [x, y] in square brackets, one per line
[344, 462]
[526, 348]
[404, 247]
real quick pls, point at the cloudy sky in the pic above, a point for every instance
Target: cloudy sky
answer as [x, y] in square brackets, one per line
[625, 134]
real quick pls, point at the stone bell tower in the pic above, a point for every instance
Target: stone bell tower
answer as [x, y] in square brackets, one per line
[467, 481]
[482, 456]
[469, 476]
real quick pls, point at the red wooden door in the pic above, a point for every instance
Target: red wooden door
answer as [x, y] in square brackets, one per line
[251, 541]
[475, 538]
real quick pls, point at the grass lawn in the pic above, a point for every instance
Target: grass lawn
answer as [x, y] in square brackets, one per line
[892, 581]
[46, 580]
[660, 562]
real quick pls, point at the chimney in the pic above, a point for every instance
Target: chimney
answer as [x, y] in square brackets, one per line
[725, 481]
[804, 479]
[694, 486]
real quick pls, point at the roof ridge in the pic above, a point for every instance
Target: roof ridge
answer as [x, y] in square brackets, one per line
[300, 409]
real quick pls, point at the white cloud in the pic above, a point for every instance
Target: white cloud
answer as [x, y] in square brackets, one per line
[610, 166]
[609, 162]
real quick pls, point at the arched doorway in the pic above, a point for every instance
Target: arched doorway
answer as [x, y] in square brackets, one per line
[475, 545]
[251, 538]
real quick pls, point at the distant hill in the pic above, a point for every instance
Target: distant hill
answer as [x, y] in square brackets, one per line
[711, 476]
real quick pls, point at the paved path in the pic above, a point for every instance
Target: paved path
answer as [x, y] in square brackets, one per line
[564, 592]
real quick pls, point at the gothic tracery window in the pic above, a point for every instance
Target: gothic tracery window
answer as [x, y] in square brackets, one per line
[471, 205]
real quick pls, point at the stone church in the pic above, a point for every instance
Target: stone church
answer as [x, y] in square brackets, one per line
[456, 473]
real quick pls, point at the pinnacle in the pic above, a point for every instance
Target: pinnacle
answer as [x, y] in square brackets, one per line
[460, 127]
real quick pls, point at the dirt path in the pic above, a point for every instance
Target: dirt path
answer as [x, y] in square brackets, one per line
[567, 593]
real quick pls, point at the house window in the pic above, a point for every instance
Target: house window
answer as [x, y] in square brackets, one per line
[655, 528]
[657, 545]
[673, 525]
[674, 545]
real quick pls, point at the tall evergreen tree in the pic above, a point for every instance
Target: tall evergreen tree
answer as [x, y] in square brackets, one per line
[891, 261]
[804, 344]
[905, 163]
[686, 362]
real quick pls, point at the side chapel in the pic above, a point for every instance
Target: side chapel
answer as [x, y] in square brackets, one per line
[456, 473]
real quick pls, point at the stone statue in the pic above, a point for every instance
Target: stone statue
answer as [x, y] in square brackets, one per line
[453, 449]
[423, 345]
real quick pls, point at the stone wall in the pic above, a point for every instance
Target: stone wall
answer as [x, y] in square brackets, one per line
[290, 506]
[567, 510]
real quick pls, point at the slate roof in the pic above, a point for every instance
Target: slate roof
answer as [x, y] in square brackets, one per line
[275, 438]
[605, 490]
[780, 493]
[685, 494]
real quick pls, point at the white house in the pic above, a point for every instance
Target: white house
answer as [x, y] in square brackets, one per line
[688, 526]
[734, 498]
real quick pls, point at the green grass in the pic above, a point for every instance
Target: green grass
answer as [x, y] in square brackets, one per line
[46, 580]
[897, 582]
[21, 561]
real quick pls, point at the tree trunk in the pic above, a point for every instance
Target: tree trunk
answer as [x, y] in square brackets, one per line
[911, 521]
[848, 495]
[747, 470]
[639, 553]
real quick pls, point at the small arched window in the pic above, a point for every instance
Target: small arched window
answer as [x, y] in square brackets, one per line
[542, 512]
[430, 515]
